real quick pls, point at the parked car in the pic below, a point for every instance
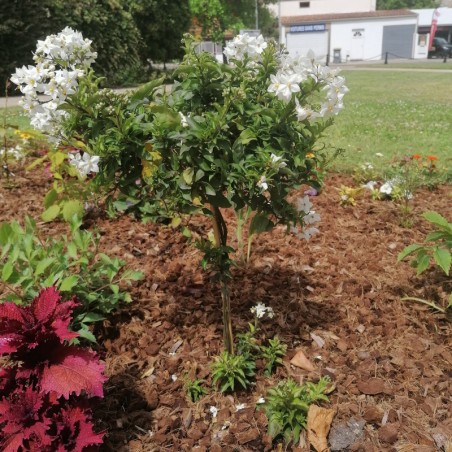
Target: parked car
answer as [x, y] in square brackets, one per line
[440, 48]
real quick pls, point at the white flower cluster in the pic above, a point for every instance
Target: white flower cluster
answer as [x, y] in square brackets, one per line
[16, 152]
[243, 45]
[60, 61]
[260, 310]
[310, 217]
[294, 71]
[85, 164]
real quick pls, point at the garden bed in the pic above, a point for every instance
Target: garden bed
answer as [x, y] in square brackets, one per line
[389, 360]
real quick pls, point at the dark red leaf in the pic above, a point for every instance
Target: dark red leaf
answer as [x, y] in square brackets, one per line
[75, 430]
[73, 371]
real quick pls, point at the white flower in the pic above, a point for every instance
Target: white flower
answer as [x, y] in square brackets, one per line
[260, 310]
[370, 185]
[214, 411]
[275, 159]
[245, 45]
[311, 218]
[307, 233]
[174, 377]
[304, 204]
[240, 406]
[379, 154]
[302, 113]
[284, 85]
[260, 400]
[183, 119]
[85, 163]
[262, 183]
[387, 188]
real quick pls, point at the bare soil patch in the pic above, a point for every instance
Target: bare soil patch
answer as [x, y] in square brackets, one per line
[390, 361]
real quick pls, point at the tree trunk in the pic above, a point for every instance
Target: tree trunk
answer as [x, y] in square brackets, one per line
[221, 236]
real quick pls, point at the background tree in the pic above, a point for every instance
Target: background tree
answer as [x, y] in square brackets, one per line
[162, 24]
[216, 16]
[125, 33]
[407, 4]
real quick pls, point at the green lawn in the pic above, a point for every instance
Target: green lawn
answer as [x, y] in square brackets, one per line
[15, 117]
[393, 113]
[437, 64]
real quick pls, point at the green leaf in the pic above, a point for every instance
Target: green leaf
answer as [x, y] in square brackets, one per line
[7, 271]
[43, 264]
[436, 235]
[146, 90]
[260, 223]
[51, 213]
[423, 264]
[5, 233]
[72, 208]
[436, 218]
[86, 334]
[443, 259]
[50, 198]
[68, 283]
[187, 175]
[91, 317]
[408, 250]
[72, 250]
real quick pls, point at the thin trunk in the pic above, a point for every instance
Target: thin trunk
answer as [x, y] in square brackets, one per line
[220, 233]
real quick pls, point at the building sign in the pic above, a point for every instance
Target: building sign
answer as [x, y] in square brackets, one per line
[307, 28]
[252, 33]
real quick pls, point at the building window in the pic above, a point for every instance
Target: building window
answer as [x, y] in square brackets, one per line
[304, 4]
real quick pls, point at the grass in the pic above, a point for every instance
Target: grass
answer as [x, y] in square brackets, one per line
[436, 64]
[395, 114]
[14, 117]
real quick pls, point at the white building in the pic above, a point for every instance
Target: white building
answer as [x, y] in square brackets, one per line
[367, 35]
[301, 8]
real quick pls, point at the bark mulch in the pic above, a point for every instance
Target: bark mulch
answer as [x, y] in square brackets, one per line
[390, 361]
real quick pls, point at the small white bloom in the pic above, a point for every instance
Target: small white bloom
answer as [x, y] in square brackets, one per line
[183, 119]
[275, 159]
[262, 183]
[379, 154]
[370, 185]
[174, 377]
[260, 310]
[85, 164]
[214, 411]
[260, 401]
[307, 233]
[311, 218]
[304, 205]
[240, 406]
[387, 188]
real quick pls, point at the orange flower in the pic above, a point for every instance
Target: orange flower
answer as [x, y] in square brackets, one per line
[432, 158]
[310, 155]
[416, 156]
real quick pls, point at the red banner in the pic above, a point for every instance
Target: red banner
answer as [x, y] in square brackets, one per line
[433, 27]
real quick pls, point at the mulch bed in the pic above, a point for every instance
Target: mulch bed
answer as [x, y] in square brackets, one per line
[390, 361]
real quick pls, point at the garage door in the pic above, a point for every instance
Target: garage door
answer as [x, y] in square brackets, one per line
[301, 43]
[398, 41]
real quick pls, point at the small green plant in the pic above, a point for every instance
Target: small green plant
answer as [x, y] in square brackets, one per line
[30, 262]
[287, 406]
[349, 195]
[437, 245]
[273, 353]
[229, 370]
[246, 342]
[195, 389]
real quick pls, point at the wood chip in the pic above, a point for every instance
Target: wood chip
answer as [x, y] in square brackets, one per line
[300, 360]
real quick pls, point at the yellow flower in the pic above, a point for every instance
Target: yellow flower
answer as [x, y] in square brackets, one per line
[310, 155]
